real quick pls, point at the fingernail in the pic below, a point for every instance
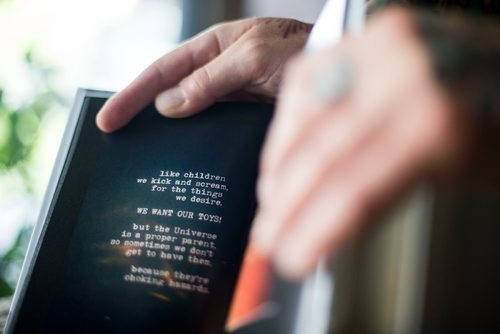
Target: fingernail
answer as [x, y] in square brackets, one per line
[170, 100]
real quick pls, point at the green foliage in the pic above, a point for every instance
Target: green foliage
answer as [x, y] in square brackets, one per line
[5, 289]
[19, 126]
[10, 262]
[19, 130]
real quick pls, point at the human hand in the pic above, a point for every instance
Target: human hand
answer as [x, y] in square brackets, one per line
[332, 161]
[240, 60]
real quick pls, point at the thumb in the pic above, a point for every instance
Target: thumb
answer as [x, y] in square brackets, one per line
[223, 75]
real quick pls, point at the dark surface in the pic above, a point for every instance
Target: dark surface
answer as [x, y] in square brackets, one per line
[463, 290]
[77, 286]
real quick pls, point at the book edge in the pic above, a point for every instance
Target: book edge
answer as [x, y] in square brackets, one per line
[52, 186]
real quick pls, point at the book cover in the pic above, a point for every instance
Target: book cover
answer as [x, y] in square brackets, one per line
[145, 229]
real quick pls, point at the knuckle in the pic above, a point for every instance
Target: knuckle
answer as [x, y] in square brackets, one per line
[227, 26]
[261, 27]
[219, 26]
[256, 53]
[196, 84]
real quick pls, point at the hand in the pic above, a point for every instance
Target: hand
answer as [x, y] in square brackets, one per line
[331, 162]
[240, 60]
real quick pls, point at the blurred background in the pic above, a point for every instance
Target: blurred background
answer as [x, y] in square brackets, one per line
[49, 48]
[433, 265]
[52, 47]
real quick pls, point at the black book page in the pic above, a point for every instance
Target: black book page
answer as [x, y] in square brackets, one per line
[150, 224]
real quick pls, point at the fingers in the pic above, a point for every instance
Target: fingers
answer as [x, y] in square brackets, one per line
[297, 117]
[293, 130]
[164, 73]
[251, 65]
[123, 106]
[230, 72]
[341, 194]
[345, 196]
[299, 174]
[242, 58]
[329, 167]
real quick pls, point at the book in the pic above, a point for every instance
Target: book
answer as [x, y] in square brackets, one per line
[145, 229]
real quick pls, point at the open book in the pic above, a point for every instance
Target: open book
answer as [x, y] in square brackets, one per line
[145, 230]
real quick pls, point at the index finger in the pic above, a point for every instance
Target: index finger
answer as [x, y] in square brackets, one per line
[162, 74]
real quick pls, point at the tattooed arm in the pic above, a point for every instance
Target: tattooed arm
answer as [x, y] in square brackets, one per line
[240, 60]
